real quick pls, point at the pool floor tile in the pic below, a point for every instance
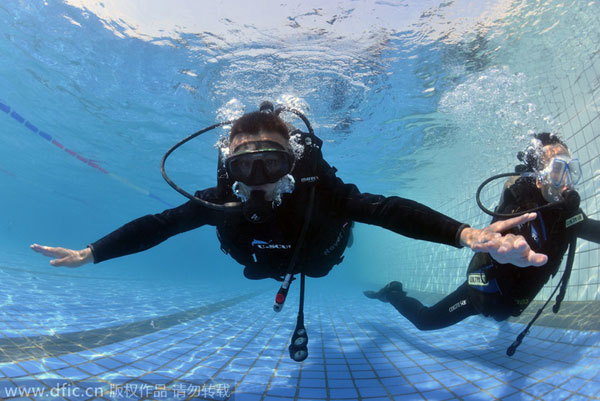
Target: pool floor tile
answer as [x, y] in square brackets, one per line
[359, 352]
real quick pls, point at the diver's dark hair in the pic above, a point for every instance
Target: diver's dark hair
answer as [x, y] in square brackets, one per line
[547, 138]
[255, 122]
[531, 156]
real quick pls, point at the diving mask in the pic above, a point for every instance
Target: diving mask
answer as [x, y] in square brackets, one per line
[560, 175]
[259, 162]
[561, 172]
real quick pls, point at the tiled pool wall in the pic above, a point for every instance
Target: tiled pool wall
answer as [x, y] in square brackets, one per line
[568, 91]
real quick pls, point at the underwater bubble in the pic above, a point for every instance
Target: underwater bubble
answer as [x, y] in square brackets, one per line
[297, 146]
[285, 185]
[231, 110]
[241, 191]
[293, 102]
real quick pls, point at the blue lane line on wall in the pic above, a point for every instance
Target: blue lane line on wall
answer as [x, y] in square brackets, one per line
[92, 163]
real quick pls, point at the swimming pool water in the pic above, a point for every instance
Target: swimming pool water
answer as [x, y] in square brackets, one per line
[441, 95]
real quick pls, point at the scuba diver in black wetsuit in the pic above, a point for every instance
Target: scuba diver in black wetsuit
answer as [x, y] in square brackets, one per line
[279, 210]
[501, 290]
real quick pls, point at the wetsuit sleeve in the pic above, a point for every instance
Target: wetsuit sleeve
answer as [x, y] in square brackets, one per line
[402, 216]
[150, 230]
[589, 229]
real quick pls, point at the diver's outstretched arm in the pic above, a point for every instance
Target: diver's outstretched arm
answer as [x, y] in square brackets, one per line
[589, 230]
[414, 220]
[138, 235]
[65, 257]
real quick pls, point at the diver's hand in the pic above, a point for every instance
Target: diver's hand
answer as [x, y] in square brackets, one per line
[65, 257]
[510, 248]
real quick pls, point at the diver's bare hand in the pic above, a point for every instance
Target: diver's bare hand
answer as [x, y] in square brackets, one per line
[65, 257]
[509, 248]
[515, 250]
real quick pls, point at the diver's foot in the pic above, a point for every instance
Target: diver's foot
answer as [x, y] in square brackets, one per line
[392, 290]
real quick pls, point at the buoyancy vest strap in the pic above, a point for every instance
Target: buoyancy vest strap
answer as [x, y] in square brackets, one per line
[283, 290]
[301, 305]
[566, 275]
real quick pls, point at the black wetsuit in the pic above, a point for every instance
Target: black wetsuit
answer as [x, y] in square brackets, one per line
[503, 290]
[265, 249]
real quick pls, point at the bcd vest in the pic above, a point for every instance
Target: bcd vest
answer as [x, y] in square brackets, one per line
[508, 289]
[265, 249]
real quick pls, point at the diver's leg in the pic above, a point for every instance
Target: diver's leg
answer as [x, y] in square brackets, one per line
[450, 310]
[392, 289]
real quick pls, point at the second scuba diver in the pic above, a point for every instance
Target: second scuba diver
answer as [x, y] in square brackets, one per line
[500, 290]
[279, 209]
